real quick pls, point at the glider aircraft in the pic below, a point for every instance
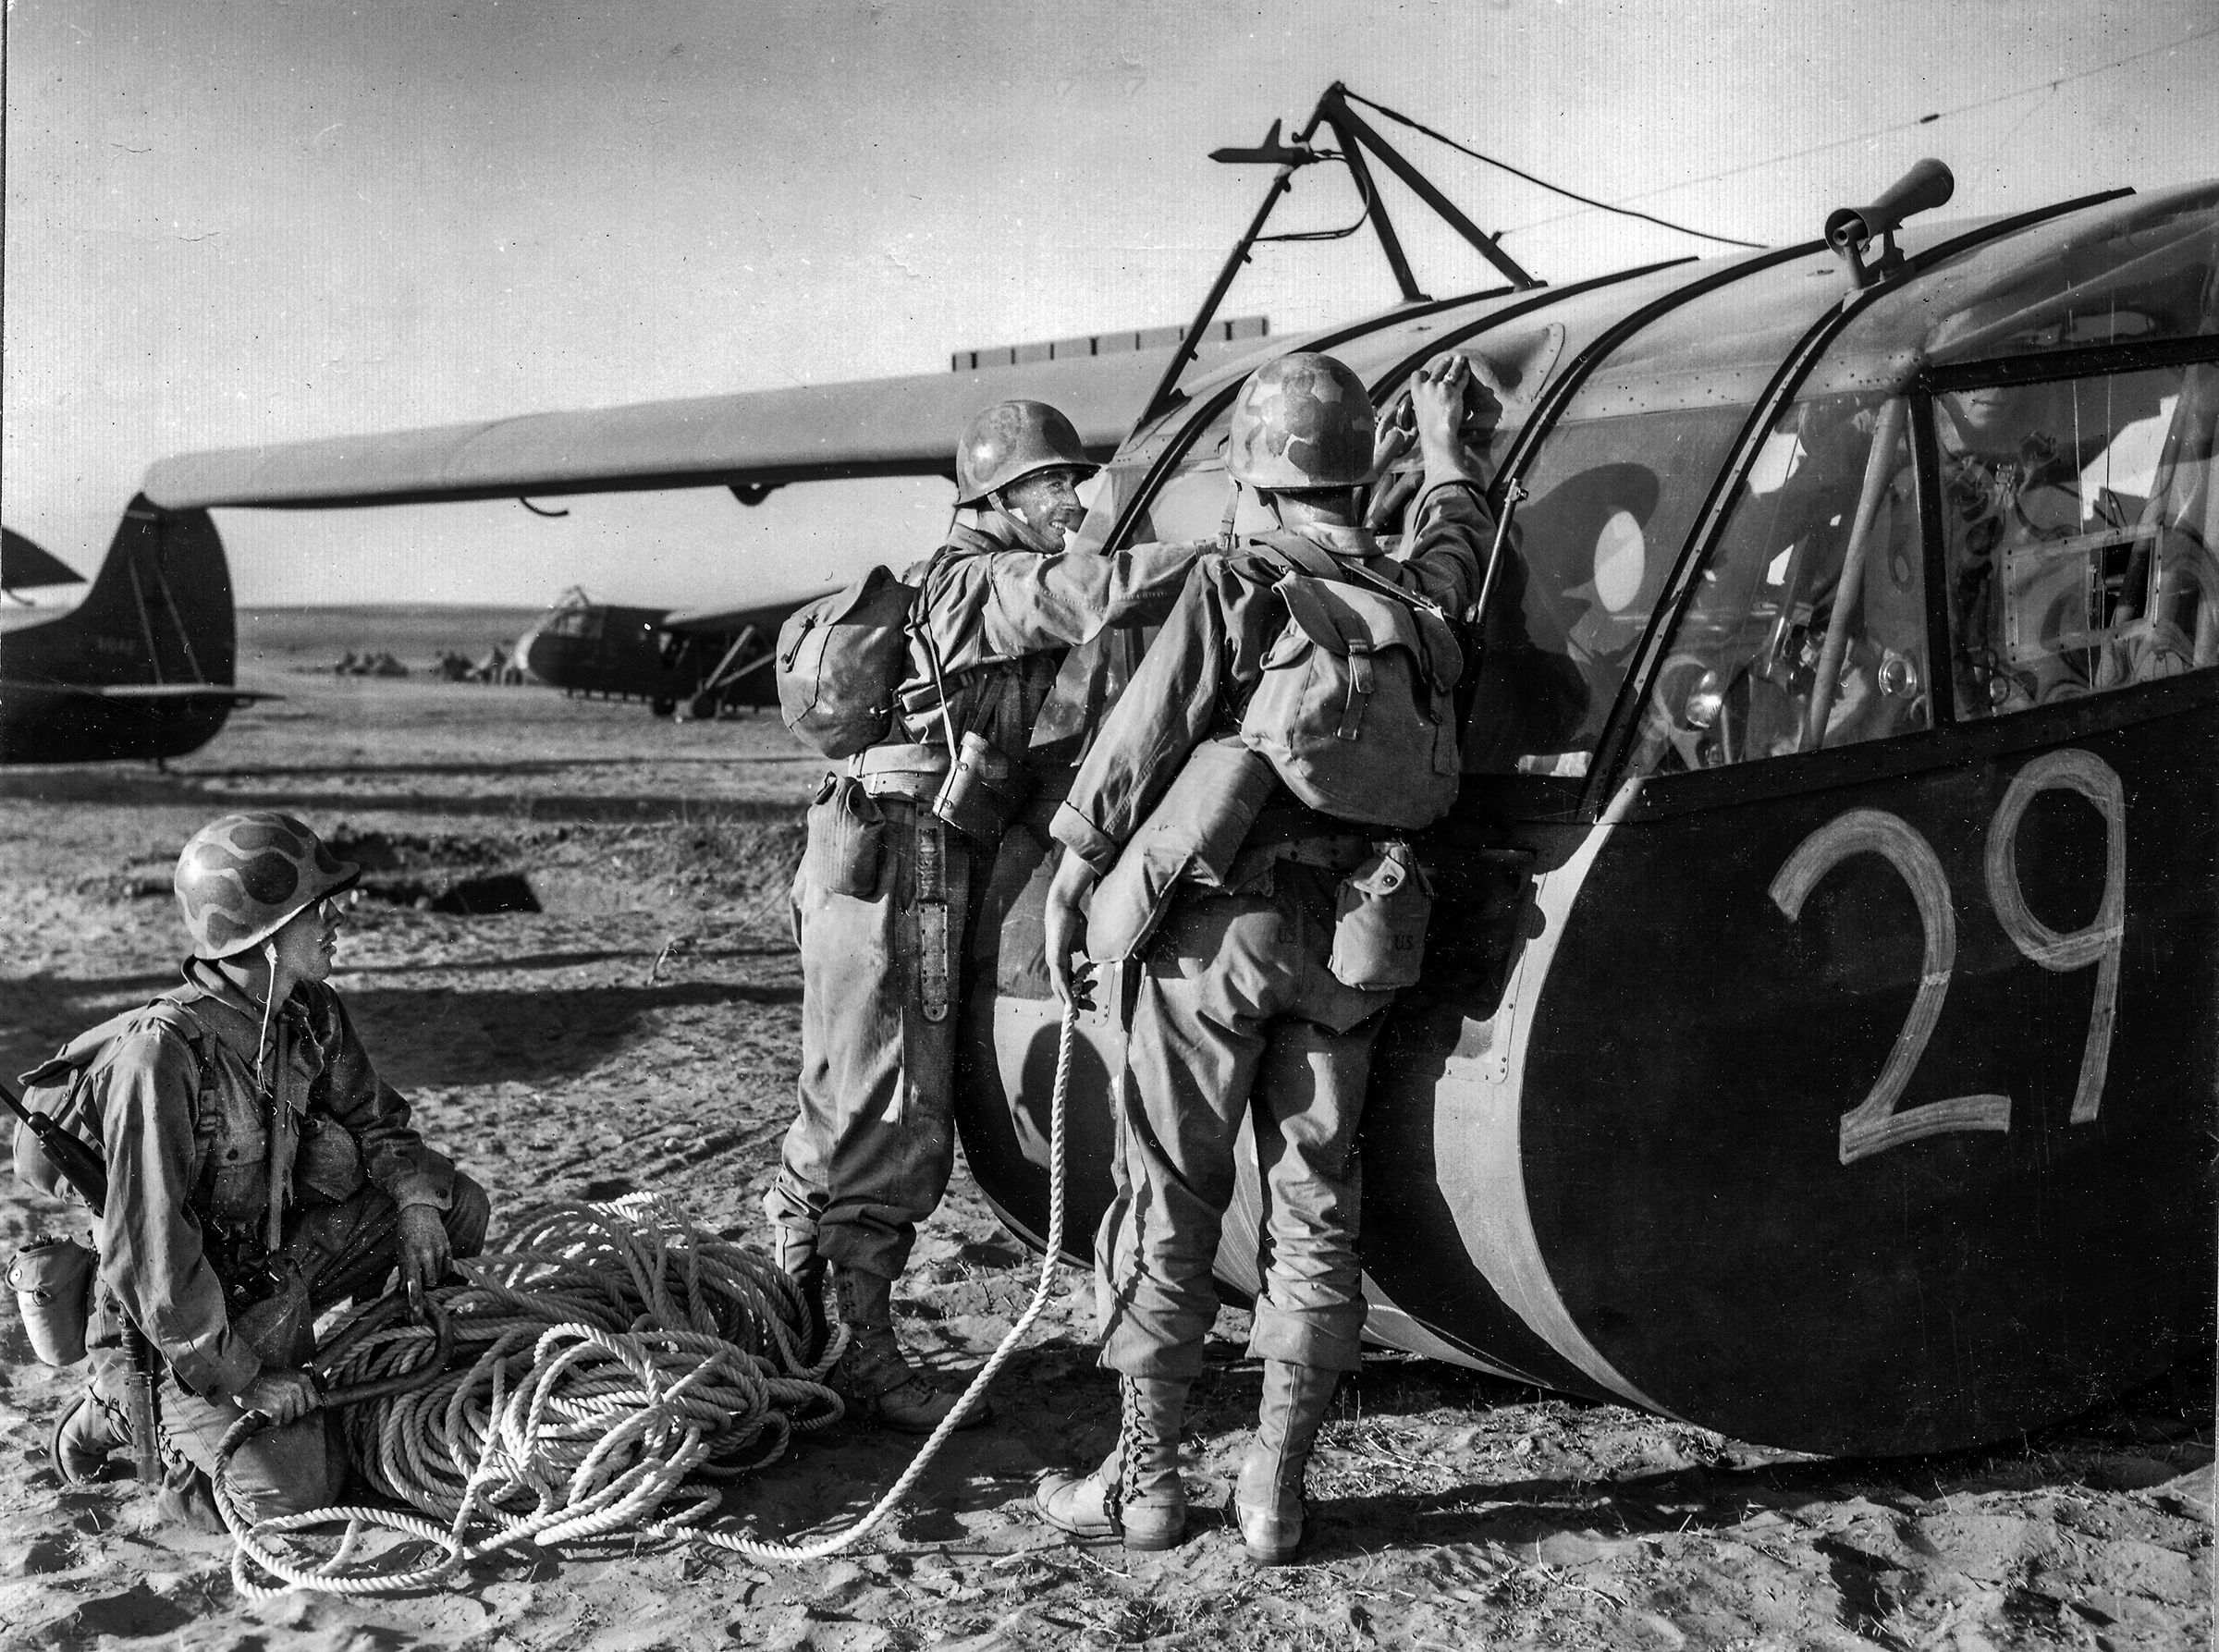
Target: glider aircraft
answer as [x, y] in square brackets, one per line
[142, 668]
[698, 662]
[1815, 1041]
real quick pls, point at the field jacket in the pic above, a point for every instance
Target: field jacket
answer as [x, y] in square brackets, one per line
[1001, 617]
[187, 1138]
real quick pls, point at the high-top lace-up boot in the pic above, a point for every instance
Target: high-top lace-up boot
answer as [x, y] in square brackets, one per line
[1137, 1493]
[1267, 1497]
[874, 1378]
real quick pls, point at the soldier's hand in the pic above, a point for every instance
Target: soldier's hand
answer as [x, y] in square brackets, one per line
[1440, 398]
[281, 1396]
[1397, 431]
[1437, 402]
[424, 1253]
[1066, 930]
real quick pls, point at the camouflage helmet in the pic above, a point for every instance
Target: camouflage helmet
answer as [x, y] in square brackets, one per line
[241, 879]
[1302, 422]
[1011, 440]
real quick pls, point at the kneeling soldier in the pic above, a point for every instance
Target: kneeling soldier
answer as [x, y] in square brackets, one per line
[259, 1171]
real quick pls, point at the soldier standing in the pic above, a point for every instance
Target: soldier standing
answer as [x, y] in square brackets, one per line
[1244, 992]
[896, 867]
[259, 1171]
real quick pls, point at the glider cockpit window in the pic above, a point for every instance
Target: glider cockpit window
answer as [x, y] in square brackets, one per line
[1808, 629]
[2080, 527]
[2146, 271]
[583, 622]
[1612, 500]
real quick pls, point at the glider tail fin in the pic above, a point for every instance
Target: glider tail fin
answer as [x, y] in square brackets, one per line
[166, 585]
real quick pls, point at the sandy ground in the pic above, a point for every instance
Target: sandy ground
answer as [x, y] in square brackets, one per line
[642, 1032]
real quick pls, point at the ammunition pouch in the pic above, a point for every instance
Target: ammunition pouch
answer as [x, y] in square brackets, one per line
[53, 1280]
[1194, 836]
[1380, 917]
[983, 791]
[846, 838]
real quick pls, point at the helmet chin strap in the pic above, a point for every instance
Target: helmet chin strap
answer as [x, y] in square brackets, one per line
[269, 1006]
[1036, 539]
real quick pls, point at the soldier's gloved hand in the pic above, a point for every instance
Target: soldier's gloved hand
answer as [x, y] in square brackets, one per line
[1066, 930]
[423, 1248]
[280, 1395]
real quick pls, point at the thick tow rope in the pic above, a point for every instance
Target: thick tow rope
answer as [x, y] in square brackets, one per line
[623, 1364]
[620, 1362]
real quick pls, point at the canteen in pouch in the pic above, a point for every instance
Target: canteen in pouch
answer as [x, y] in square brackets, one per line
[53, 1282]
[1380, 917]
[1193, 835]
[846, 838]
[983, 791]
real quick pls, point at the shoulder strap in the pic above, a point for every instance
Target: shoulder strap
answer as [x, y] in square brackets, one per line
[1300, 555]
[206, 1119]
[1306, 557]
[923, 632]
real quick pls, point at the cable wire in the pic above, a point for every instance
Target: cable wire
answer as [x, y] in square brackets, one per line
[1883, 132]
[1603, 206]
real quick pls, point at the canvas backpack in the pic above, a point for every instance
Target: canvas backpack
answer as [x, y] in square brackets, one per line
[58, 1088]
[841, 658]
[1356, 708]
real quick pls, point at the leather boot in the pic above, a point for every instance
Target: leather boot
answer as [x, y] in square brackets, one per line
[1137, 1493]
[83, 1436]
[875, 1380]
[796, 1255]
[1267, 1497]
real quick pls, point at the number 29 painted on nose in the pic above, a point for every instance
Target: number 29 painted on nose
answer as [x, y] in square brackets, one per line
[1874, 1125]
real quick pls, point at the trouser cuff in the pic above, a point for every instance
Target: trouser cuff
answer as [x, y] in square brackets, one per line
[1304, 1342]
[1152, 1362]
[864, 1251]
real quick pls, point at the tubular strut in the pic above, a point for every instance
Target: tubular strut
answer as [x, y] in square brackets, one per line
[1355, 135]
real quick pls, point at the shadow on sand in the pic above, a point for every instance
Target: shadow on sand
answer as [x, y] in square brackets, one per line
[409, 788]
[416, 1036]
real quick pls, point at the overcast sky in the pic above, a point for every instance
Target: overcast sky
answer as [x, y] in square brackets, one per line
[245, 220]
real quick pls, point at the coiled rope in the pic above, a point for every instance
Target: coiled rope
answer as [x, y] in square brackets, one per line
[623, 1366]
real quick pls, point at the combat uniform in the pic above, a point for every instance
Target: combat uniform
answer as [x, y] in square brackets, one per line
[193, 1144]
[1236, 999]
[871, 1146]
